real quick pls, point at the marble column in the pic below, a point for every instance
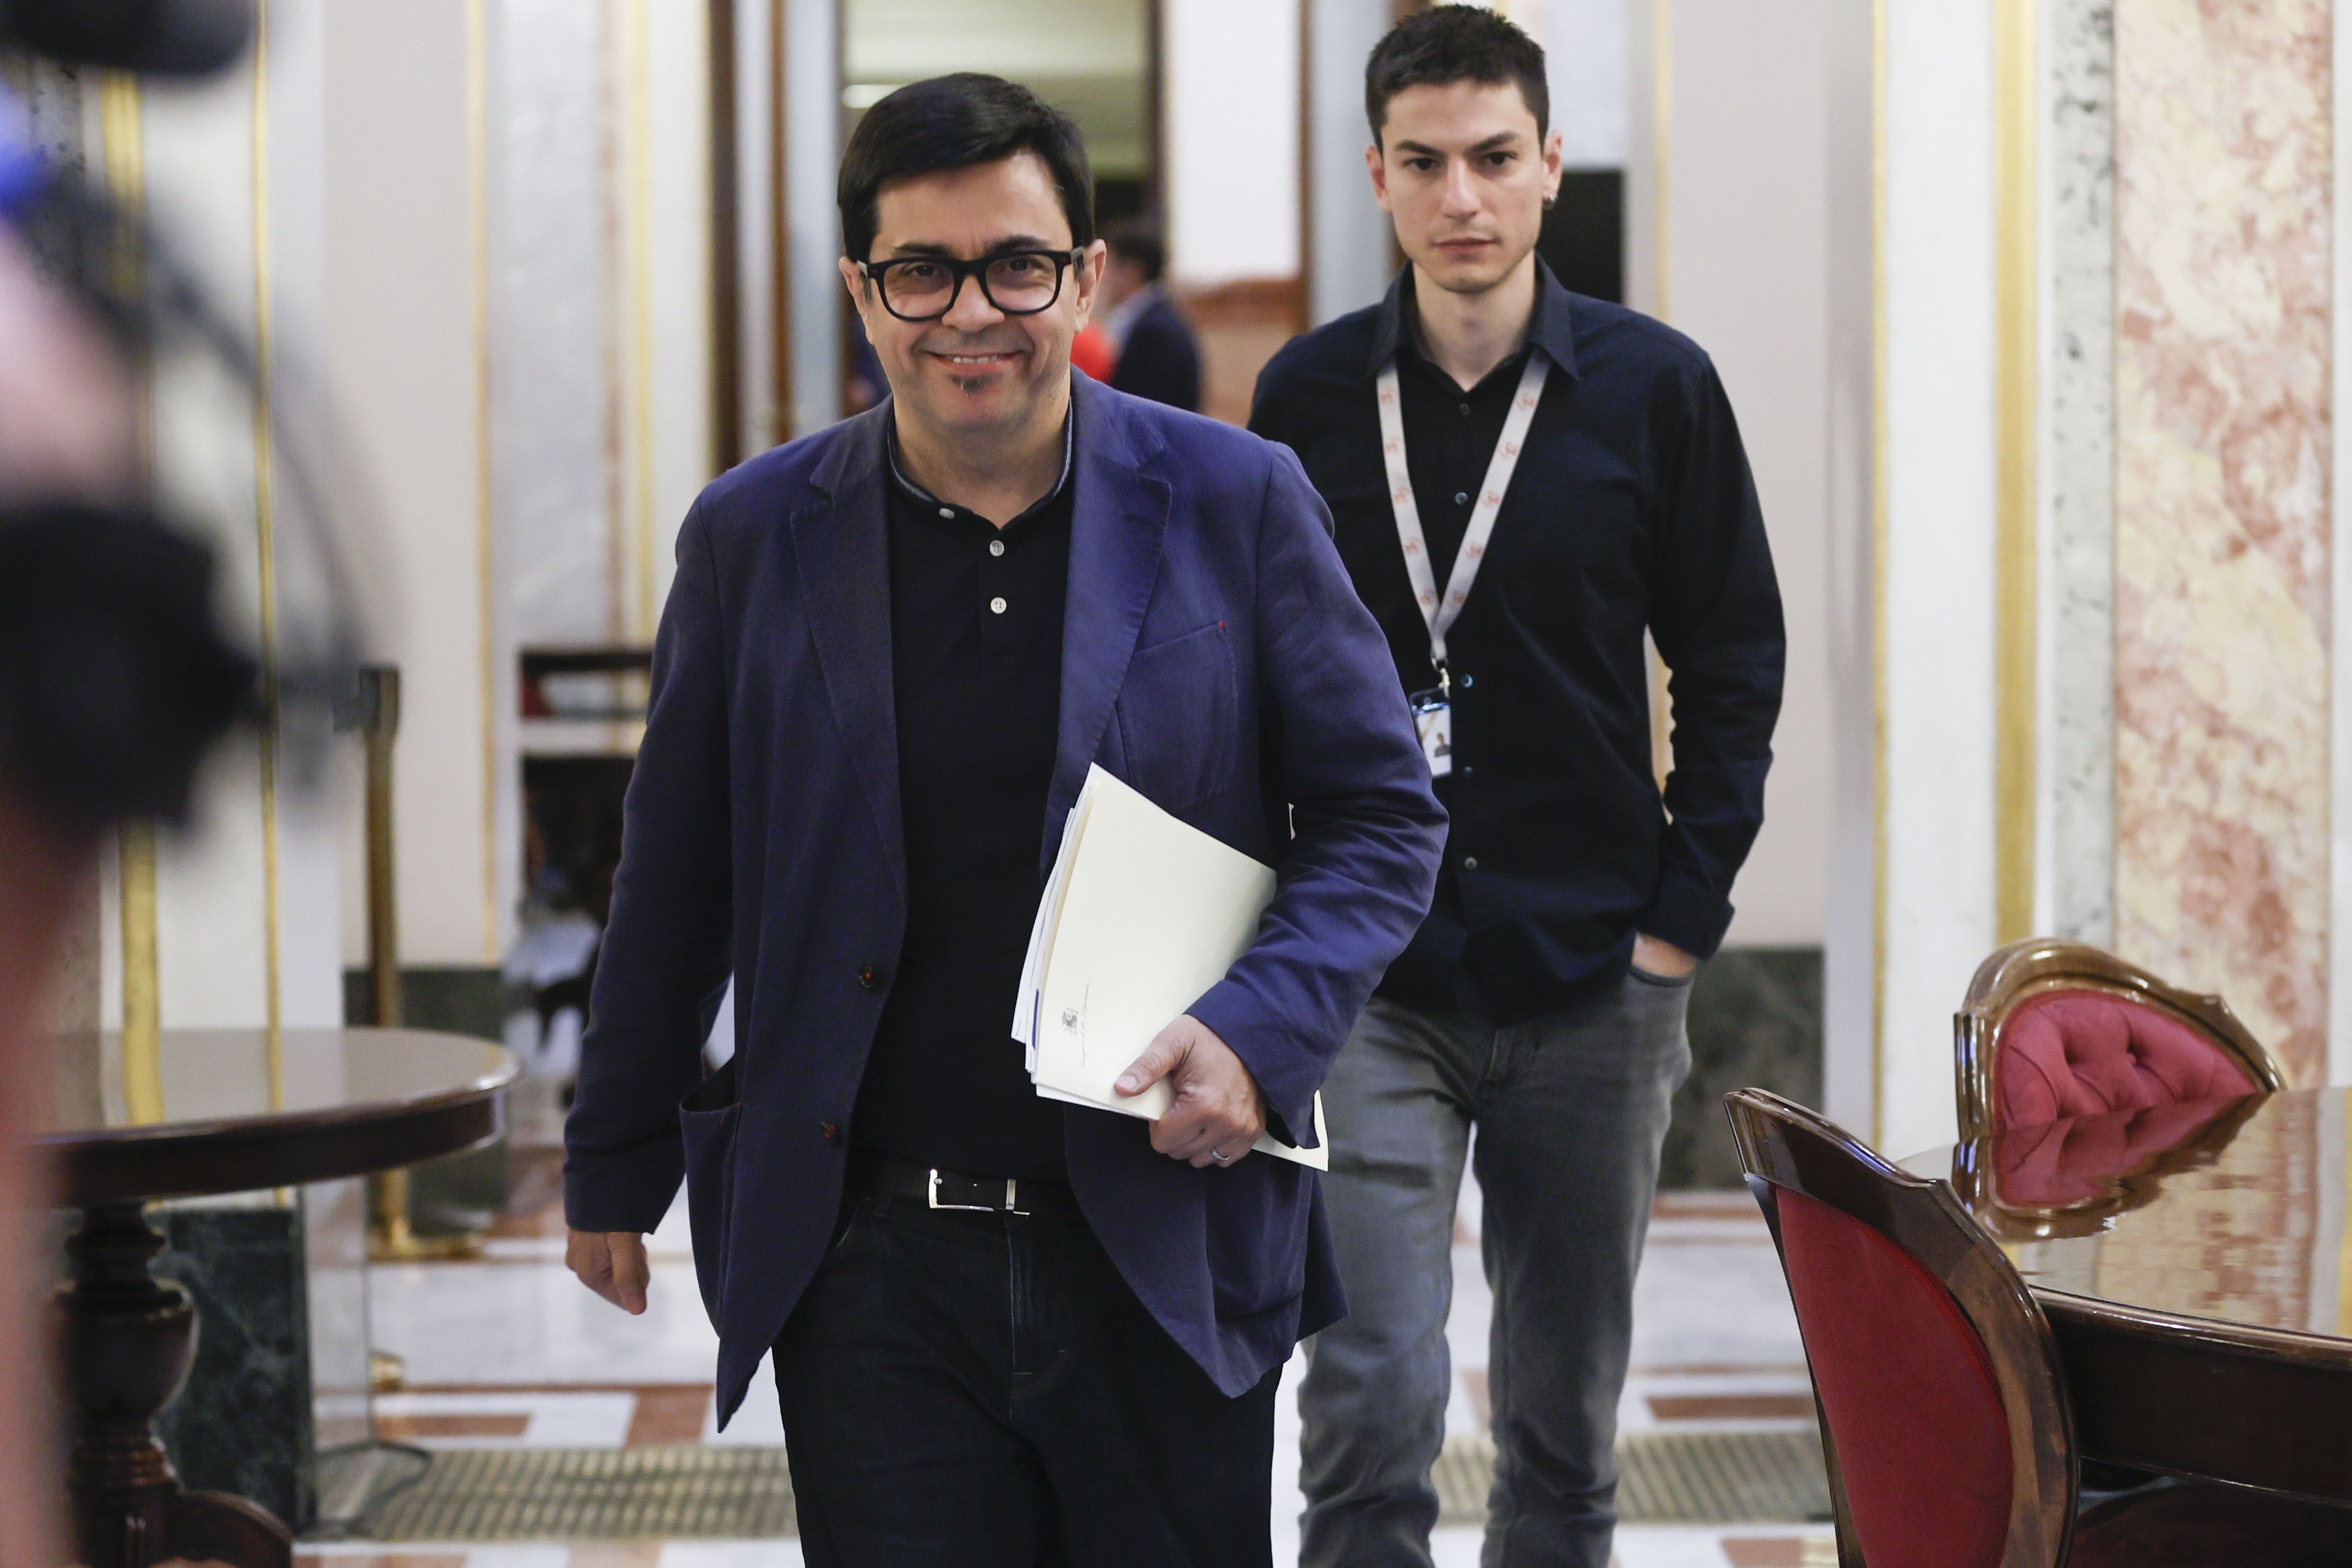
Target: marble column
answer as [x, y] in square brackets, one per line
[2075, 836]
[2222, 538]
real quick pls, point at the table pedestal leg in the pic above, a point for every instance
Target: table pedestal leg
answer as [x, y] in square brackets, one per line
[129, 1339]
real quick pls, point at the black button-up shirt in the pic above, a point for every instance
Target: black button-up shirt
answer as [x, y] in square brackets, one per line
[1632, 511]
[976, 665]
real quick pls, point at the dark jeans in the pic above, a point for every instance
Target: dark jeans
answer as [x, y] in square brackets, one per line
[984, 1390]
[1570, 1110]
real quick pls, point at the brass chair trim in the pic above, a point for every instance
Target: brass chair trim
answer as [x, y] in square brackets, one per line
[2023, 969]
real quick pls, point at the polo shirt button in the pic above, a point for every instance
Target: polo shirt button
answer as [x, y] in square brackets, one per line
[996, 606]
[1468, 681]
[828, 1132]
[1465, 411]
[1468, 768]
[869, 977]
[947, 512]
[996, 547]
[1469, 862]
[1460, 497]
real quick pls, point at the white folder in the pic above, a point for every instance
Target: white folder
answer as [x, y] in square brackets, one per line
[1141, 915]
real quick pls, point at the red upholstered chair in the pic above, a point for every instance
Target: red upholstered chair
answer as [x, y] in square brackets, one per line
[1944, 1413]
[2053, 1028]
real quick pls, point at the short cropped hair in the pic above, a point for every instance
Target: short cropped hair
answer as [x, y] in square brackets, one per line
[956, 122]
[1138, 240]
[1453, 43]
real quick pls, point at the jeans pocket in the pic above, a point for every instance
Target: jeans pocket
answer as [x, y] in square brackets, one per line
[707, 1118]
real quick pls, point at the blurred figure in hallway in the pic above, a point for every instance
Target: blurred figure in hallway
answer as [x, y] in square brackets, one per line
[67, 430]
[1482, 410]
[1157, 355]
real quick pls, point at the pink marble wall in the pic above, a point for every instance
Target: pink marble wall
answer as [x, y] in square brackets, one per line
[2222, 229]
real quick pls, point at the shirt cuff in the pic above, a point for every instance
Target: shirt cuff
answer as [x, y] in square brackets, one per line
[1286, 1076]
[627, 1192]
[1688, 914]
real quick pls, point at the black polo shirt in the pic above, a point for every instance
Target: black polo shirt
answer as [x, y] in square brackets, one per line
[1632, 511]
[976, 665]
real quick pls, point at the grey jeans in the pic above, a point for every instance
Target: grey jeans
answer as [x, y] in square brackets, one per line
[1571, 1110]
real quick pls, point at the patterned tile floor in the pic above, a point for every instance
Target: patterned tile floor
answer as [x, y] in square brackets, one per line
[508, 1349]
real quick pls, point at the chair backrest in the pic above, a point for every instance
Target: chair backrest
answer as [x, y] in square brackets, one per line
[2053, 1028]
[1944, 1418]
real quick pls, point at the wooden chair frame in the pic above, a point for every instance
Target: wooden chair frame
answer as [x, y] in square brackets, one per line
[2023, 969]
[1783, 1146]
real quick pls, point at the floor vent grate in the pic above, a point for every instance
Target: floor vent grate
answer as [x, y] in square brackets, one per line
[692, 1492]
[1673, 1478]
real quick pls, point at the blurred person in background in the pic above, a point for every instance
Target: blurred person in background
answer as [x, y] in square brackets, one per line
[116, 678]
[1586, 456]
[67, 435]
[1155, 353]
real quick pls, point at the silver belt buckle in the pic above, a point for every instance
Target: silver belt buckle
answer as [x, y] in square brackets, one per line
[1012, 1198]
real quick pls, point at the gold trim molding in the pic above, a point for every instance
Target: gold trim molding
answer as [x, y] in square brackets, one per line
[1878, 532]
[477, 150]
[265, 503]
[2016, 422]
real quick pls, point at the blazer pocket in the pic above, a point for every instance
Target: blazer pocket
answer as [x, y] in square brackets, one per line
[707, 1119]
[1178, 712]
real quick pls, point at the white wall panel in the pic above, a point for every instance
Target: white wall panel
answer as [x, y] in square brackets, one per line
[1232, 80]
[1747, 237]
[400, 310]
[1353, 244]
[813, 227]
[1937, 634]
[1588, 70]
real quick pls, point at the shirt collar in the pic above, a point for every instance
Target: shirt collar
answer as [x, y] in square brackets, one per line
[1118, 321]
[908, 487]
[1553, 330]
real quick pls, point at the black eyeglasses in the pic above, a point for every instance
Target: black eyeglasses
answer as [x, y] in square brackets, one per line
[924, 288]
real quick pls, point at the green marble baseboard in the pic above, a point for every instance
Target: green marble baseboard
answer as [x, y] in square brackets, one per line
[1755, 1023]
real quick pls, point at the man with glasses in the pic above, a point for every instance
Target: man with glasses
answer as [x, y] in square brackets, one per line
[1006, 1329]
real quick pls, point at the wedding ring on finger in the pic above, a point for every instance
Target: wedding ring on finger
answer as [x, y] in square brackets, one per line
[1218, 1155]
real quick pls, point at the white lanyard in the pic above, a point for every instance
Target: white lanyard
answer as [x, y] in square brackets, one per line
[1440, 615]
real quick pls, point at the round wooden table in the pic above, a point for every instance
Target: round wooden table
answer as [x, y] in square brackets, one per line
[2195, 1262]
[355, 1100]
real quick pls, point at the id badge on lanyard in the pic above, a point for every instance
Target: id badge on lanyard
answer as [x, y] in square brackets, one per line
[1433, 710]
[1433, 716]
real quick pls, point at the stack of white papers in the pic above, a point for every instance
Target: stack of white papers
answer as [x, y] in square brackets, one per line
[1142, 915]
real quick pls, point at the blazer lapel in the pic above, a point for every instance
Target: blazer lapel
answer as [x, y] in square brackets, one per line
[1118, 525]
[843, 544]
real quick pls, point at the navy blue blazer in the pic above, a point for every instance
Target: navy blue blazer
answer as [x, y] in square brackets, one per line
[1161, 359]
[1214, 656]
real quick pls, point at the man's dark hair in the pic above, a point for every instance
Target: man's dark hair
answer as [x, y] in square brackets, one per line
[1138, 240]
[954, 123]
[1448, 44]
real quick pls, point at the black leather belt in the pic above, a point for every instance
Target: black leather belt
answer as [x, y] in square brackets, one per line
[953, 1190]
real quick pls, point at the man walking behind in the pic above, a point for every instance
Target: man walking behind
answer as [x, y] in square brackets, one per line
[1159, 356]
[1523, 481]
[1007, 1331]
